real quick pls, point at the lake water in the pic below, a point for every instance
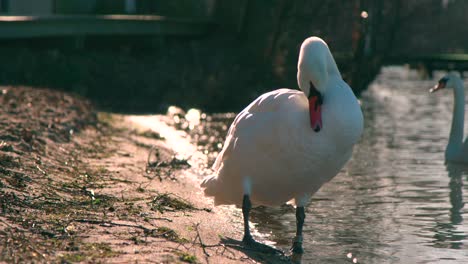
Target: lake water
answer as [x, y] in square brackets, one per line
[396, 201]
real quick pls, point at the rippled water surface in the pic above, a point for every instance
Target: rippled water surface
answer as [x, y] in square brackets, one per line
[396, 201]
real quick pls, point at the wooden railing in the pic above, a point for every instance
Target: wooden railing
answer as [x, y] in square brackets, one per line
[75, 25]
[429, 62]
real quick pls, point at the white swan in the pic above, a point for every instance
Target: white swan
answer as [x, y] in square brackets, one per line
[287, 143]
[457, 150]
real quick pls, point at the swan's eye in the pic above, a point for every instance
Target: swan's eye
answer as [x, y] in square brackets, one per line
[315, 93]
[313, 90]
[444, 80]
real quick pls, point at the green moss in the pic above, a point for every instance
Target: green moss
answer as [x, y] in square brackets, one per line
[187, 257]
[137, 240]
[89, 251]
[169, 234]
[167, 202]
[140, 189]
[78, 257]
[106, 118]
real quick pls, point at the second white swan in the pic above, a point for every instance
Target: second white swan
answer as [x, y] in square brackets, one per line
[457, 148]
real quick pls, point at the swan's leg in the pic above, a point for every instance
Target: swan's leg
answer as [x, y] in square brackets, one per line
[248, 240]
[246, 206]
[301, 201]
[297, 241]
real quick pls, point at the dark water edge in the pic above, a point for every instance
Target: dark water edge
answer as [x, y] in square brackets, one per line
[396, 201]
[145, 74]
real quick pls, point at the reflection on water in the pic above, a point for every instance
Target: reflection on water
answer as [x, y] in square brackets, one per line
[447, 234]
[396, 201]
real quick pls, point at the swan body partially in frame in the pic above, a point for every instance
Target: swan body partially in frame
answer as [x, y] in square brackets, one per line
[287, 143]
[457, 147]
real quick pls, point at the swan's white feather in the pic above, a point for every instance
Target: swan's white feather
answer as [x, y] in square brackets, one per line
[271, 143]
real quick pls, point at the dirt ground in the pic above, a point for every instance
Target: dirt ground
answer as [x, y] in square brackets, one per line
[76, 186]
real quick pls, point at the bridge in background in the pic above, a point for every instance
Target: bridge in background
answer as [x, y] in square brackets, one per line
[427, 63]
[432, 62]
[18, 27]
[12, 27]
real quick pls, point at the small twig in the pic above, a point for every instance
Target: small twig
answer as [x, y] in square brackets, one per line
[4, 222]
[14, 188]
[161, 218]
[201, 241]
[108, 223]
[205, 246]
[36, 251]
[41, 170]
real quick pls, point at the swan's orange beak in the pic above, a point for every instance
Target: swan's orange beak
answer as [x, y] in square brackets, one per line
[437, 87]
[440, 85]
[315, 109]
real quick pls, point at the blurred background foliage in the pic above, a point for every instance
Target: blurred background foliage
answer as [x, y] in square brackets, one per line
[251, 47]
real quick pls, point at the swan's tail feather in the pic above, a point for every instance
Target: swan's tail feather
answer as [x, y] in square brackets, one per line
[216, 189]
[209, 183]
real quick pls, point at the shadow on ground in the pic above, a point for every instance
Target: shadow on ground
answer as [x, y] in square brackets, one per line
[262, 253]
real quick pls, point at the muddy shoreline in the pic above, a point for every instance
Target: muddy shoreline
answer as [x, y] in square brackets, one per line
[76, 186]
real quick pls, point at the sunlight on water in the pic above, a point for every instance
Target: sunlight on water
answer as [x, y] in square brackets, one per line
[395, 201]
[193, 118]
[183, 148]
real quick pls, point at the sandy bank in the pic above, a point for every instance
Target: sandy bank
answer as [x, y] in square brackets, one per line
[75, 187]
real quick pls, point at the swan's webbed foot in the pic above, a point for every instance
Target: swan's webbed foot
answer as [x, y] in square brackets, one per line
[248, 240]
[297, 245]
[251, 244]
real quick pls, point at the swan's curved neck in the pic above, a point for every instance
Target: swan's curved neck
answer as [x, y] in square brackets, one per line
[456, 132]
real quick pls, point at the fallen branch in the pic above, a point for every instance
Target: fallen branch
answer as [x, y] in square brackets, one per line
[201, 241]
[205, 246]
[109, 223]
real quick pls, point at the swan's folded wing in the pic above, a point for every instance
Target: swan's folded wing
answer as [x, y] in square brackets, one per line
[266, 103]
[275, 100]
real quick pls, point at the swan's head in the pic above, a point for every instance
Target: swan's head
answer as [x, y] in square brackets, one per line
[449, 81]
[314, 69]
